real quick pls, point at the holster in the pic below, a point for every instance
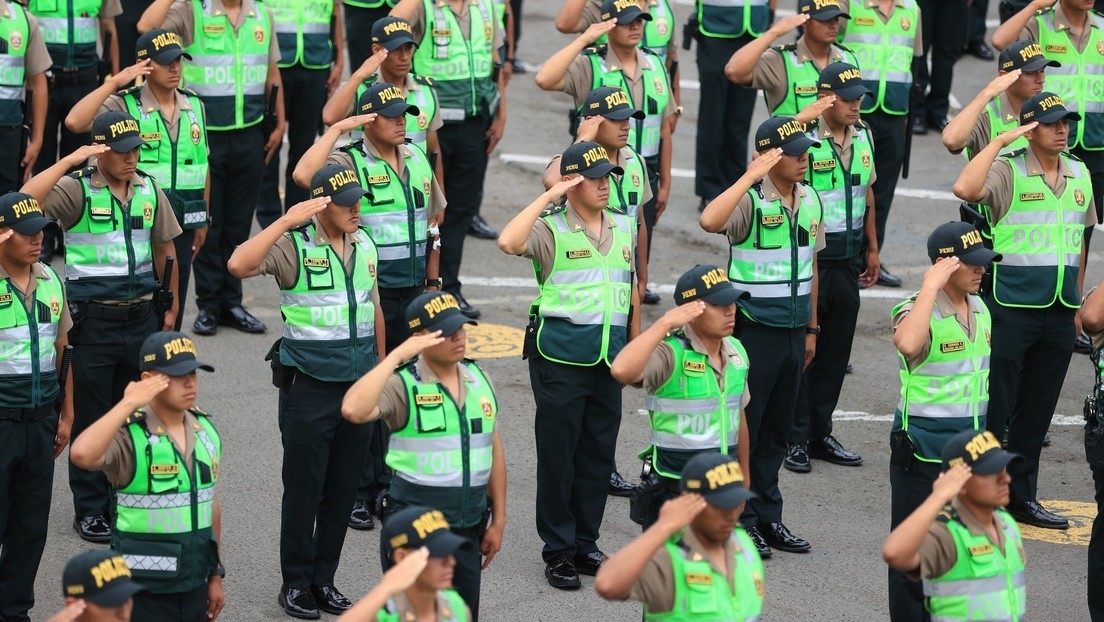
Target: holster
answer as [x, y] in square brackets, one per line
[76, 311]
[690, 31]
[645, 502]
[529, 342]
[282, 375]
[573, 122]
[383, 505]
[901, 450]
[1094, 444]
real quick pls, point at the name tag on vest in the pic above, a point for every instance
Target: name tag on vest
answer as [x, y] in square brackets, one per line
[429, 399]
[213, 29]
[581, 253]
[442, 32]
[775, 219]
[316, 262]
[693, 366]
[864, 21]
[1032, 196]
[5, 299]
[101, 211]
[379, 179]
[981, 549]
[1057, 49]
[164, 469]
[824, 165]
[807, 89]
[695, 578]
[952, 346]
[151, 136]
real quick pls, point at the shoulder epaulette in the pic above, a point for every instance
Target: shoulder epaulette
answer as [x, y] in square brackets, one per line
[355, 144]
[758, 188]
[1072, 157]
[862, 125]
[199, 413]
[947, 514]
[617, 210]
[132, 90]
[553, 208]
[788, 47]
[842, 47]
[648, 51]
[188, 92]
[422, 79]
[1014, 153]
[596, 49]
[84, 172]
[137, 416]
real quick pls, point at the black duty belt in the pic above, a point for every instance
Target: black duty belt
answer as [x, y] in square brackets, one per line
[73, 75]
[26, 414]
[136, 311]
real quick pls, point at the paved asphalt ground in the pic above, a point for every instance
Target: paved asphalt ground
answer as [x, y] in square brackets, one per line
[843, 512]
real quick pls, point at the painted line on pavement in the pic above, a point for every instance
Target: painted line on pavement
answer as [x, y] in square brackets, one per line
[854, 415]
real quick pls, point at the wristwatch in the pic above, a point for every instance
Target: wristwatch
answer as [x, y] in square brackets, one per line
[812, 330]
[438, 283]
[220, 571]
[678, 111]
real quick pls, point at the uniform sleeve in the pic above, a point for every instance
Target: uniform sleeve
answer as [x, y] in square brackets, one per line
[918, 41]
[280, 262]
[341, 158]
[181, 21]
[64, 202]
[998, 190]
[418, 22]
[66, 321]
[592, 14]
[656, 585]
[669, 109]
[1030, 31]
[769, 75]
[912, 362]
[739, 223]
[979, 135]
[118, 464]
[113, 103]
[540, 246]
[437, 201]
[1090, 217]
[392, 404]
[436, 122]
[821, 240]
[273, 45]
[937, 553]
[165, 226]
[111, 8]
[37, 59]
[659, 368]
[647, 186]
[578, 80]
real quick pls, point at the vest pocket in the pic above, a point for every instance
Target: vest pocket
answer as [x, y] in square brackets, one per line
[150, 560]
[701, 596]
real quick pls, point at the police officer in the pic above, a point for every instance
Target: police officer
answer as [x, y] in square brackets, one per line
[581, 67]
[942, 336]
[326, 266]
[311, 64]
[29, 59]
[1038, 212]
[360, 17]
[694, 374]
[162, 456]
[441, 404]
[585, 313]
[788, 74]
[471, 92]
[841, 170]
[695, 562]
[885, 35]
[34, 423]
[119, 231]
[236, 38]
[405, 200]
[97, 587]
[174, 122]
[772, 219]
[1092, 318]
[963, 513]
[944, 33]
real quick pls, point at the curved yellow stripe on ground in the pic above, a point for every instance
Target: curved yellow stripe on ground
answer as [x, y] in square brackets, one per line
[1080, 516]
[489, 341]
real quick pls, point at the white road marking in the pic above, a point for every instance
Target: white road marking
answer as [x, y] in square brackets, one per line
[851, 415]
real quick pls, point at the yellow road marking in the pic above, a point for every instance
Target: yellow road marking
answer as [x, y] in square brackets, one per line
[488, 341]
[1080, 516]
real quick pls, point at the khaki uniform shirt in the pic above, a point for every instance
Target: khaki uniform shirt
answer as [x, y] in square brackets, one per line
[980, 134]
[394, 409]
[739, 223]
[769, 73]
[918, 40]
[435, 202]
[843, 145]
[622, 157]
[1061, 22]
[579, 80]
[38, 271]
[592, 14]
[149, 103]
[118, 463]
[181, 20]
[400, 606]
[998, 187]
[410, 85]
[938, 553]
[656, 585]
[947, 309]
[540, 246]
[418, 22]
[662, 364]
[37, 59]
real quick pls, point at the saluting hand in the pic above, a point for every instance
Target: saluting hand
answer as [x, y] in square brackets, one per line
[588, 128]
[763, 163]
[371, 64]
[787, 24]
[126, 76]
[5, 235]
[1001, 83]
[303, 211]
[403, 574]
[138, 394]
[561, 187]
[81, 155]
[947, 486]
[677, 514]
[597, 29]
[681, 315]
[351, 123]
[71, 612]
[1009, 137]
[940, 272]
[415, 344]
[814, 109]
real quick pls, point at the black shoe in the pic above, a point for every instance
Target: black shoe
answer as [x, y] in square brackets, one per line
[760, 544]
[919, 128]
[886, 278]
[619, 486]
[588, 564]
[850, 369]
[206, 323]
[330, 600]
[1082, 345]
[242, 320]
[519, 67]
[938, 123]
[298, 603]
[650, 297]
[1031, 513]
[797, 459]
[93, 529]
[361, 517]
[830, 450]
[979, 50]
[778, 537]
[480, 229]
[465, 308]
[561, 573]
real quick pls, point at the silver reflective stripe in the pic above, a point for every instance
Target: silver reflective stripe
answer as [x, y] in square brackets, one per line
[1092, 106]
[666, 440]
[325, 333]
[869, 38]
[952, 368]
[166, 501]
[208, 444]
[453, 114]
[214, 60]
[592, 318]
[747, 255]
[941, 411]
[1037, 260]
[15, 333]
[734, 3]
[310, 28]
[651, 122]
[401, 251]
[394, 218]
[1043, 218]
[439, 443]
[679, 407]
[11, 92]
[315, 300]
[875, 75]
[776, 290]
[151, 562]
[102, 270]
[966, 587]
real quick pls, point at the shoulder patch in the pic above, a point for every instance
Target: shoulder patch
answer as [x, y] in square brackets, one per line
[860, 124]
[617, 210]
[843, 47]
[1072, 157]
[356, 144]
[947, 514]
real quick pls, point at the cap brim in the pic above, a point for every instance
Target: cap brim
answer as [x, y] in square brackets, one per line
[126, 145]
[350, 196]
[979, 257]
[604, 169]
[730, 498]
[397, 109]
[447, 543]
[851, 93]
[829, 13]
[1039, 63]
[116, 594]
[799, 145]
[993, 462]
[32, 225]
[397, 43]
[625, 113]
[449, 325]
[168, 56]
[631, 16]
[726, 296]
[183, 368]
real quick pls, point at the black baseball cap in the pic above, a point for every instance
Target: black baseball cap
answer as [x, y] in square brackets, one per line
[626, 11]
[1045, 107]
[22, 212]
[161, 46]
[718, 478]
[1025, 56]
[979, 450]
[99, 577]
[340, 183]
[821, 10]
[962, 240]
[436, 311]
[171, 353]
[392, 33]
[418, 526]
[610, 102]
[708, 283]
[386, 100]
[118, 130]
[785, 132]
[844, 80]
[588, 159]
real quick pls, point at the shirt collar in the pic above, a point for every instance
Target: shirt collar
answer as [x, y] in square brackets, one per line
[770, 192]
[804, 55]
[248, 7]
[873, 4]
[822, 130]
[698, 553]
[727, 351]
[642, 61]
[320, 235]
[973, 524]
[1035, 168]
[575, 222]
[428, 377]
[38, 271]
[947, 308]
[98, 180]
[150, 103]
[369, 147]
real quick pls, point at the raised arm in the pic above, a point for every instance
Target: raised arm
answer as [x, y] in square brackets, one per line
[915, 328]
[315, 157]
[81, 115]
[515, 235]
[958, 130]
[970, 186]
[154, 15]
[40, 185]
[902, 548]
[739, 68]
[714, 218]
[361, 403]
[552, 72]
[628, 367]
[1010, 30]
[90, 447]
[247, 258]
[344, 98]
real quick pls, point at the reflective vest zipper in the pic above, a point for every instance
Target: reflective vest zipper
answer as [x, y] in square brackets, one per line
[795, 273]
[350, 295]
[131, 261]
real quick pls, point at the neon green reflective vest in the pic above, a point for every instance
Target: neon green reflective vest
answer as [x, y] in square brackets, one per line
[1000, 121]
[163, 528]
[12, 69]
[179, 166]
[731, 19]
[108, 253]
[842, 189]
[329, 315]
[229, 69]
[459, 67]
[424, 97]
[627, 191]
[690, 413]
[442, 457]
[28, 357]
[644, 135]
[70, 29]
[801, 78]
[456, 611]
[775, 261]
[659, 31]
[1080, 79]
[1040, 237]
[397, 215]
[584, 301]
[703, 594]
[984, 584]
[371, 4]
[949, 391]
[303, 32]
[884, 53]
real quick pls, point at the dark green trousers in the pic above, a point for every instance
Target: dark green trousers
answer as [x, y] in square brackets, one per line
[908, 489]
[182, 607]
